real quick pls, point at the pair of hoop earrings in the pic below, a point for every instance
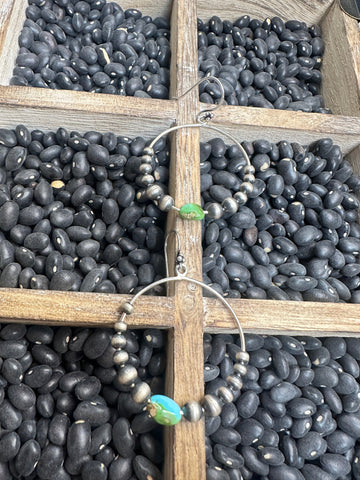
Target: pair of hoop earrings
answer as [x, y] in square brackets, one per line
[192, 211]
[163, 409]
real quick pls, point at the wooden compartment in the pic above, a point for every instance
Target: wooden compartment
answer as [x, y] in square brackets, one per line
[184, 312]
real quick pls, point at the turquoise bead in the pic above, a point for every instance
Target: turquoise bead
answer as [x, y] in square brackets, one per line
[191, 211]
[164, 410]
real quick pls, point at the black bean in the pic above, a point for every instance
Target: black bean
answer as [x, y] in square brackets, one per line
[79, 439]
[50, 460]
[283, 472]
[92, 412]
[252, 461]
[10, 417]
[27, 457]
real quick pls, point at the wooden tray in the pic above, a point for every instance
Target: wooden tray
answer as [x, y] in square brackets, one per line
[184, 312]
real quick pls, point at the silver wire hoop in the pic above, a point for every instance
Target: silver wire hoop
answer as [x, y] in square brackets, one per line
[182, 277]
[203, 125]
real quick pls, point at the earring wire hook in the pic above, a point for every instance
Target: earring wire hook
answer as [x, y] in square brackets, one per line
[207, 114]
[180, 267]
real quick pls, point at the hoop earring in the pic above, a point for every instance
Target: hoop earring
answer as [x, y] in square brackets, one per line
[193, 211]
[163, 409]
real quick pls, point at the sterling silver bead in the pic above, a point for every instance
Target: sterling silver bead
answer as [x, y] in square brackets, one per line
[145, 168]
[212, 405]
[242, 357]
[215, 211]
[249, 169]
[154, 192]
[234, 381]
[146, 159]
[149, 151]
[118, 340]
[127, 308]
[127, 375]
[229, 205]
[241, 198]
[249, 177]
[166, 203]
[120, 357]
[226, 394]
[192, 411]
[246, 187]
[141, 392]
[120, 326]
[147, 180]
[240, 369]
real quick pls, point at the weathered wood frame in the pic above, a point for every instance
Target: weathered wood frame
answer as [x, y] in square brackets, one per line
[184, 313]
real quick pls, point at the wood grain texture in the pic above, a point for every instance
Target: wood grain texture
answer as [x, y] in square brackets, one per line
[84, 309]
[309, 11]
[11, 21]
[275, 317]
[250, 123]
[185, 455]
[340, 63]
[81, 111]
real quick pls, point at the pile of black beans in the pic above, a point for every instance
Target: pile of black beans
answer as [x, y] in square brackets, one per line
[72, 216]
[93, 46]
[64, 415]
[268, 64]
[297, 416]
[297, 237]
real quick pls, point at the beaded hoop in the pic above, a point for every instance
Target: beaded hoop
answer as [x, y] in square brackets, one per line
[192, 211]
[163, 409]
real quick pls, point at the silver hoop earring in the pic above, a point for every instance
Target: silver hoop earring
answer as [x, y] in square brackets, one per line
[192, 211]
[163, 409]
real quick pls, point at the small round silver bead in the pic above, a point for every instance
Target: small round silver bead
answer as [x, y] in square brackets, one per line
[127, 375]
[146, 159]
[145, 168]
[149, 151]
[166, 203]
[246, 187]
[212, 405]
[226, 394]
[249, 169]
[147, 180]
[249, 177]
[192, 411]
[120, 357]
[154, 192]
[229, 205]
[215, 211]
[127, 308]
[234, 381]
[118, 340]
[120, 326]
[241, 198]
[240, 369]
[242, 357]
[141, 392]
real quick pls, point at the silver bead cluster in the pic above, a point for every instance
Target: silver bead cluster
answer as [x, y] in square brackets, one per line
[214, 210]
[127, 374]
[212, 405]
[232, 204]
[153, 191]
[140, 391]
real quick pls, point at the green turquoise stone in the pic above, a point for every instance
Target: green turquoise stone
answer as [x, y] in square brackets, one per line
[191, 211]
[164, 410]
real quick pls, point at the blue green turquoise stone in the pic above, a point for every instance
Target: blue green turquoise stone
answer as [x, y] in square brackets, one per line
[164, 410]
[191, 211]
